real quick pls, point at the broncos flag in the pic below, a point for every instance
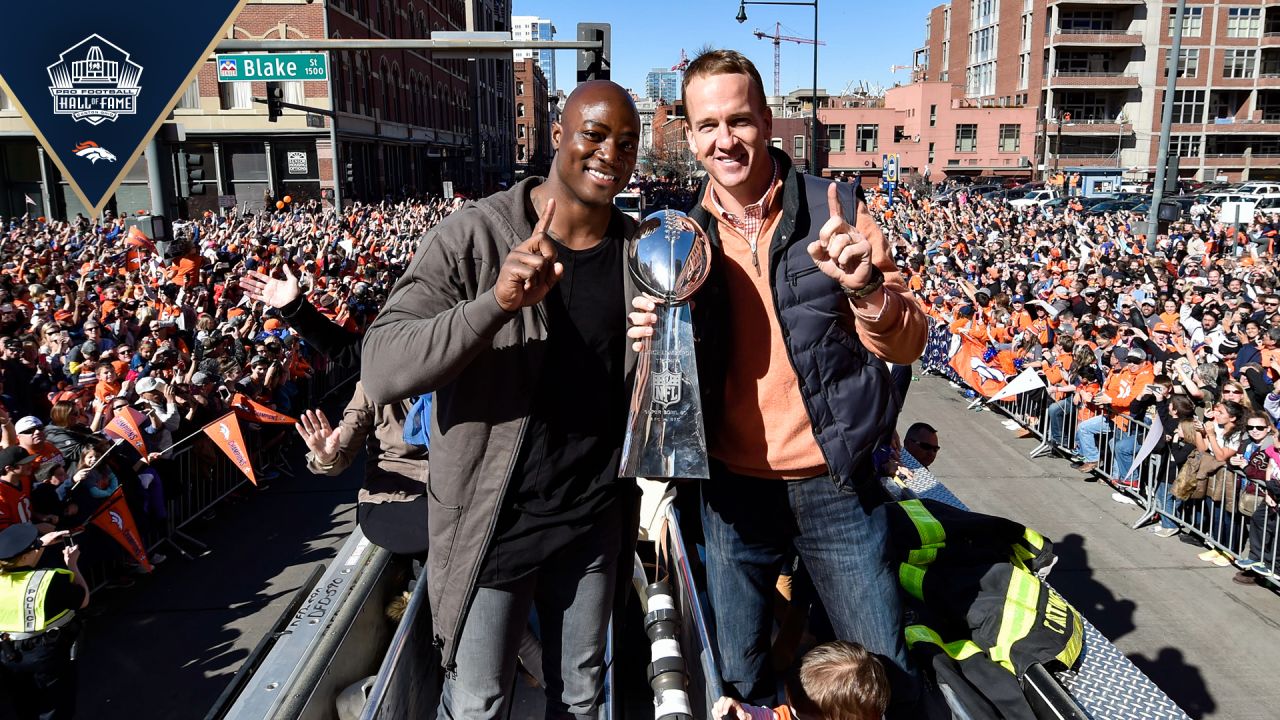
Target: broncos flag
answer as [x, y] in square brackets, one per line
[225, 433]
[95, 84]
[114, 518]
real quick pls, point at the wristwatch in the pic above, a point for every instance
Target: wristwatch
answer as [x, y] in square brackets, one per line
[873, 284]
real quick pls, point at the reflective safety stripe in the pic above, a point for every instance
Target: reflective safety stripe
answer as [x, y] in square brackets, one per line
[931, 531]
[1035, 539]
[1019, 615]
[923, 556]
[22, 603]
[1075, 645]
[911, 578]
[958, 650]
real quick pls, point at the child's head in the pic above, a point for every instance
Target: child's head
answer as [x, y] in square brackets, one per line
[839, 681]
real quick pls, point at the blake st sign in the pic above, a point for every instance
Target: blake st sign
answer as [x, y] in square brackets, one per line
[273, 67]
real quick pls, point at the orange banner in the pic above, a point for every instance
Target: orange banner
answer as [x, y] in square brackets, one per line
[114, 518]
[983, 377]
[139, 239]
[251, 411]
[225, 433]
[127, 425]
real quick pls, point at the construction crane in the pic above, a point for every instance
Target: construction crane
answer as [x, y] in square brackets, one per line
[777, 37]
[913, 68]
[683, 64]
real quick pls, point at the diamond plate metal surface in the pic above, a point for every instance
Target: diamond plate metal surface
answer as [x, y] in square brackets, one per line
[1105, 684]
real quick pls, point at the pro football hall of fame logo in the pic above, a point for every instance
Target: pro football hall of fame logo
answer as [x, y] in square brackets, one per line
[94, 81]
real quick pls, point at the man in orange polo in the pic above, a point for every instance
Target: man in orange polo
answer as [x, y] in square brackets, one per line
[803, 307]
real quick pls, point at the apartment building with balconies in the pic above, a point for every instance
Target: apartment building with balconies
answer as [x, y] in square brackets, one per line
[1096, 72]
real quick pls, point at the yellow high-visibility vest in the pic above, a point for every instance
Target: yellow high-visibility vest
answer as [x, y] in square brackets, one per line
[22, 598]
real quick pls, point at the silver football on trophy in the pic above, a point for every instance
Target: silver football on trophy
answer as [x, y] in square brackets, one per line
[669, 256]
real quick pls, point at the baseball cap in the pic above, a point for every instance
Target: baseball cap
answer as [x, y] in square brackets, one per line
[1161, 327]
[17, 539]
[1018, 299]
[149, 384]
[259, 360]
[1228, 346]
[1136, 355]
[27, 424]
[14, 455]
[200, 377]
[91, 323]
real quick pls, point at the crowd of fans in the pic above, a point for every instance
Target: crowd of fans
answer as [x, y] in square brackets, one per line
[1185, 328]
[95, 318]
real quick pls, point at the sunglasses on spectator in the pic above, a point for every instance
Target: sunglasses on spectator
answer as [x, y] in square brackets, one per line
[1226, 391]
[928, 446]
[1258, 427]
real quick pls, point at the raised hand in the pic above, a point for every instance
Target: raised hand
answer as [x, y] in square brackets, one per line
[841, 252]
[530, 270]
[642, 321]
[322, 439]
[271, 291]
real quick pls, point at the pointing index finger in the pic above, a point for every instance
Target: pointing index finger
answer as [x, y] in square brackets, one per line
[833, 201]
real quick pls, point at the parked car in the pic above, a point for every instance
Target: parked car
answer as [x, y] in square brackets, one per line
[1269, 204]
[1035, 197]
[1259, 188]
[1113, 206]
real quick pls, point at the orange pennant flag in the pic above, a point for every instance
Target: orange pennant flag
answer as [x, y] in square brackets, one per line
[139, 239]
[251, 411]
[127, 425]
[225, 433]
[114, 518]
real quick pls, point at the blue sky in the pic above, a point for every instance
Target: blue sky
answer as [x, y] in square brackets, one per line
[863, 37]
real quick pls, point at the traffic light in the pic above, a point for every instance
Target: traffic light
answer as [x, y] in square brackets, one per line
[194, 174]
[275, 96]
[351, 172]
[593, 64]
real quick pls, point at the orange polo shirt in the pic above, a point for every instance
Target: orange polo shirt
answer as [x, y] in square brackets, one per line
[765, 430]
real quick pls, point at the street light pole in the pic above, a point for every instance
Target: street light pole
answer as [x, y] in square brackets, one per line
[1166, 124]
[813, 96]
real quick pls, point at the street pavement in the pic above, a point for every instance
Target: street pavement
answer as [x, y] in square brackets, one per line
[166, 647]
[1210, 644]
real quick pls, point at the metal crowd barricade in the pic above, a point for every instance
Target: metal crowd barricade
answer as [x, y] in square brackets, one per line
[1220, 520]
[198, 478]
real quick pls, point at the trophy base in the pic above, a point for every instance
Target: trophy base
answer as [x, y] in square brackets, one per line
[665, 435]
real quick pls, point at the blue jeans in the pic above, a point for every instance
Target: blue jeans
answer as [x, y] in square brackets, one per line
[573, 594]
[1167, 504]
[1086, 437]
[751, 526]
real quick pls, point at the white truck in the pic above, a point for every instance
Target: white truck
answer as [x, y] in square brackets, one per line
[1035, 197]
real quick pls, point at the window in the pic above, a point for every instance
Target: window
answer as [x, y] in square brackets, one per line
[868, 138]
[519, 109]
[1192, 22]
[776, 142]
[1010, 138]
[1244, 22]
[1024, 70]
[521, 131]
[1086, 21]
[967, 138]
[1185, 145]
[933, 116]
[236, 95]
[1188, 63]
[293, 92]
[797, 146]
[519, 87]
[1237, 63]
[930, 153]
[835, 138]
[1188, 106]
[191, 98]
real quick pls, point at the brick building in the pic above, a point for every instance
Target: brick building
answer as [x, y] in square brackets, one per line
[405, 121]
[936, 131]
[533, 122]
[1102, 62]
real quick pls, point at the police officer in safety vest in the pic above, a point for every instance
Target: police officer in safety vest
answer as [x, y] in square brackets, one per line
[38, 623]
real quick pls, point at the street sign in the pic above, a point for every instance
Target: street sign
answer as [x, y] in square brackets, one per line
[273, 66]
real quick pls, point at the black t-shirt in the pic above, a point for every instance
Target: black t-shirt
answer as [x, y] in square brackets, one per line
[566, 473]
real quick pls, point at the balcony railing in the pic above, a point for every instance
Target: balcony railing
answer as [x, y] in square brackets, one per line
[1093, 73]
[1093, 31]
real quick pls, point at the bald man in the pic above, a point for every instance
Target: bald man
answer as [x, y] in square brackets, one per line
[513, 312]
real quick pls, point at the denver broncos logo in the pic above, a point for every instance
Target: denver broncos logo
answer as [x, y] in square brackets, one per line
[94, 152]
